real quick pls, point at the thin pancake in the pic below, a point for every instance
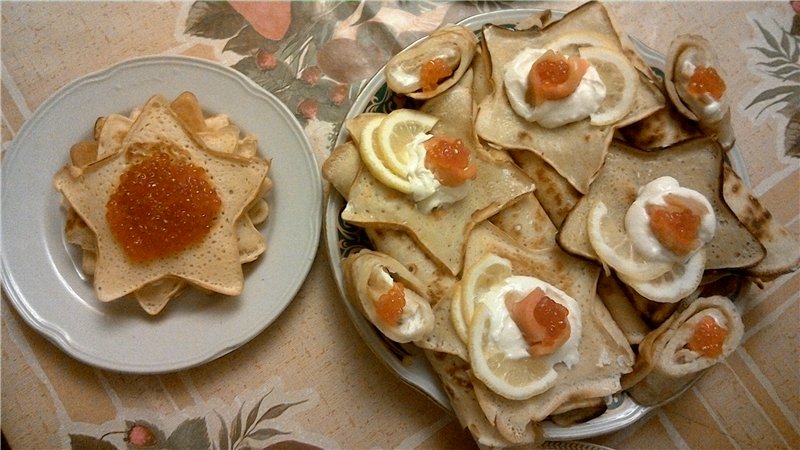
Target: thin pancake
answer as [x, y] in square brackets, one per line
[696, 164]
[575, 150]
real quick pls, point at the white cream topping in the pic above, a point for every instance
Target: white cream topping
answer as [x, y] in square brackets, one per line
[507, 337]
[426, 190]
[637, 221]
[586, 99]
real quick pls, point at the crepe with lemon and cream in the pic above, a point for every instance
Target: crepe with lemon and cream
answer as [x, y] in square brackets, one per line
[600, 219]
[153, 132]
[514, 389]
[572, 133]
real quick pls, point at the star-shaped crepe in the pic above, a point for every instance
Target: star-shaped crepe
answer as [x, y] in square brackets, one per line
[214, 263]
[444, 231]
[696, 164]
[576, 150]
[604, 353]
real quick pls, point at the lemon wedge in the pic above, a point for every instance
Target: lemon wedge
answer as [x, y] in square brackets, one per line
[674, 285]
[620, 78]
[515, 379]
[614, 248]
[373, 161]
[401, 128]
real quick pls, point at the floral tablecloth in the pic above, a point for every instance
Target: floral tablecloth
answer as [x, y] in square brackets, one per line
[308, 381]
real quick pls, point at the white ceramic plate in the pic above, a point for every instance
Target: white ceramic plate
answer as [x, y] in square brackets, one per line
[40, 271]
[407, 361]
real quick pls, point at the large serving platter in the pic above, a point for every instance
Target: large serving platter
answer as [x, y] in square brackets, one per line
[408, 361]
[41, 272]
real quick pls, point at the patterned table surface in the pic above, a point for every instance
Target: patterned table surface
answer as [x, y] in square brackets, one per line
[308, 380]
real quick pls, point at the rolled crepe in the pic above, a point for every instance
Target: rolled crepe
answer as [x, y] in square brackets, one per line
[665, 365]
[368, 275]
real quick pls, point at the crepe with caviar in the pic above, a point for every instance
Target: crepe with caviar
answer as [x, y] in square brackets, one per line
[576, 150]
[604, 353]
[214, 263]
[674, 354]
[696, 164]
[372, 204]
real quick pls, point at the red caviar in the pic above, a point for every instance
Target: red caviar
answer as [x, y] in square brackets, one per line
[449, 160]
[676, 225]
[707, 338]
[161, 207]
[391, 303]
[554, 76]
[432, 72]
[706, 80]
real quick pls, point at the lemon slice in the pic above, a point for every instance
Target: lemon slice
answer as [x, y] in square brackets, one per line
[399, 129]
[674, 285]
[457, 315]
[620, 78]
[479, 278]
[612, 245]
[578, 39]
[375, 164]
[515, 379]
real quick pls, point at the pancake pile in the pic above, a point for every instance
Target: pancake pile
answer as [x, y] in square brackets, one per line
[163, 199]
[552, 242]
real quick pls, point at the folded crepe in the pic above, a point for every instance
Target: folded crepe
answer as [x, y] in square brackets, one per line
[696, 164]
[454, 373]
[781, 245]
[575, 150]
[374, 205]
[666, 365]
[604, 353]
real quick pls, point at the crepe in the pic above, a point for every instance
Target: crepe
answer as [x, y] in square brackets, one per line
[364, 272]
[781, 245]
[696, 164]
[576, 150]
[605, 354]
[214, 263]
[457, 383]
[661, 129]
[664, 367]
[372, 204]
[553, 191]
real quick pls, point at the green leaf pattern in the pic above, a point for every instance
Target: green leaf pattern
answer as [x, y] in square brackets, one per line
[780, 60]
[254, 425]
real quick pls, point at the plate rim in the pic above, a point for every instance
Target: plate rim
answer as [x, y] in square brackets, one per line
[634, 412]
[198, 66]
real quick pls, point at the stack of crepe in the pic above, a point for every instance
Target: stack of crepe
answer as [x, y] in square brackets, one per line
[529, 205]
[213, 143]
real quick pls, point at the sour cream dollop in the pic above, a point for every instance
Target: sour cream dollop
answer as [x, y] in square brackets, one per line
[637, 220]
[586, 99]
[507, 337]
